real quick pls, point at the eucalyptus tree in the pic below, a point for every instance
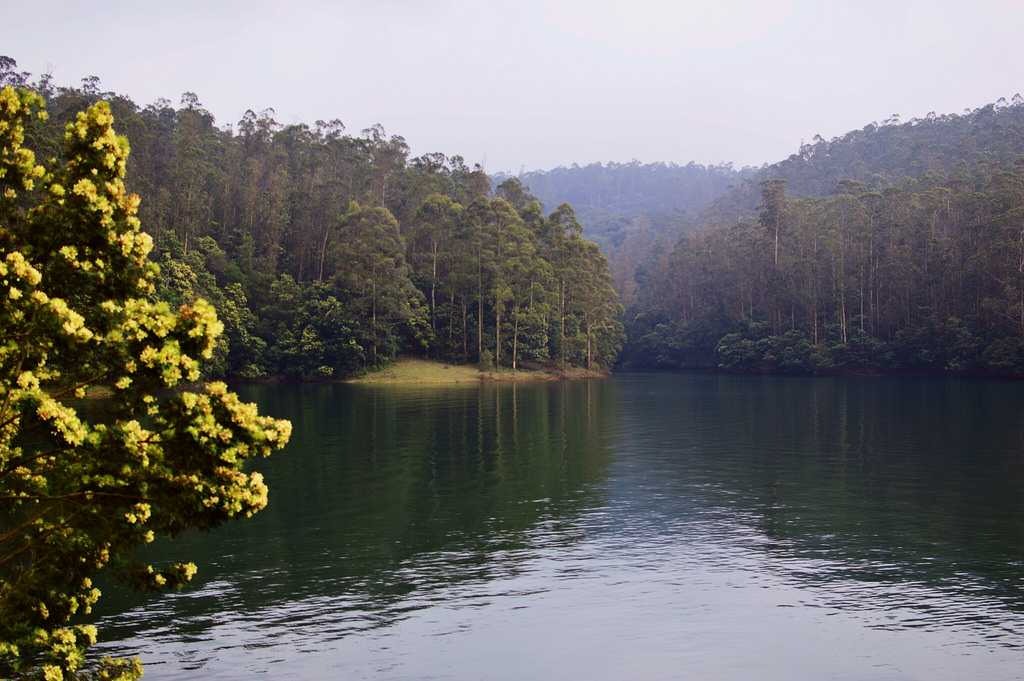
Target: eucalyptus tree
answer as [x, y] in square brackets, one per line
[563, 241]
[369, 271]
[599, 308]
[431, 243]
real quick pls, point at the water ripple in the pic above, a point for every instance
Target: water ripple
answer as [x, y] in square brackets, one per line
[647, 527]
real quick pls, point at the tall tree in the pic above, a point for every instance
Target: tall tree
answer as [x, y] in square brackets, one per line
[430, 243]
[370, 271]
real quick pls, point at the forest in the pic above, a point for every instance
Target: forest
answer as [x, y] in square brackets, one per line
[326, 253]
[895, 247]
[926, 275]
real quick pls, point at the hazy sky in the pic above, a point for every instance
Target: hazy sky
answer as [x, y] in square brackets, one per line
[537, 84]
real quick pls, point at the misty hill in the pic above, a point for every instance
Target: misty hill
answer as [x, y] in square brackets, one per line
[894, 247]
[881, 154]
[607, 197]
[637, 211]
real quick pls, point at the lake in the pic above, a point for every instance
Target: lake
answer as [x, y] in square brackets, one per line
[649, 526]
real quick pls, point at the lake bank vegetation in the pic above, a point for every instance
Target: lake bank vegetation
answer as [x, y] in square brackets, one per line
[304, 252]
[923, 276]
[411, 371]
[275, 250]
[896, 248]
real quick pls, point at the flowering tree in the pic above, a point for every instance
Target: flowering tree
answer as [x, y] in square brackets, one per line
[80, 488]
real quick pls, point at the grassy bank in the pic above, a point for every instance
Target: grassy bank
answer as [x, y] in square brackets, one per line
[426, 372]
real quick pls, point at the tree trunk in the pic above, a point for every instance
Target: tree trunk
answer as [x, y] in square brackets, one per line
[515, 339]
[862, 300]
[479, 305]
[497, 334]
[433, 284]
[842, 310]
[872, 300]
[451, 321]
[1020, 280]
[590, 359]
[776, 244]
[842, 277]
[323, 253]
[561, 322]
[815, 313]
[373, 324]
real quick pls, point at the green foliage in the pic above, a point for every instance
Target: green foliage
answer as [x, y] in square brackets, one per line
[313, 333]
[325, 253]
[739, 353]
[1005, 355]
[369, 271]
[755, 350]
[185, 278]
[921, 276]
[81, 488]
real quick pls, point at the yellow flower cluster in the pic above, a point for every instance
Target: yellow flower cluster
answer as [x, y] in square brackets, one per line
[152, 461]
[18, 169]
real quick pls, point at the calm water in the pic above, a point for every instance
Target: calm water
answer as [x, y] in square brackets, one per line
[649, 526]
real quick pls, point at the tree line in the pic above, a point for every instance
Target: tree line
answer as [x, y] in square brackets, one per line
[326, 253]
[922, 274]
[638, 213]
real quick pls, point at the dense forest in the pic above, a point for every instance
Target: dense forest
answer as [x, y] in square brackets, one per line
[898, 246]
[326, 253]
[637, 212]
[895, 247]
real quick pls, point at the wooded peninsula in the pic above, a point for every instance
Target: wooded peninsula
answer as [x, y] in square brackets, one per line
[327, 254]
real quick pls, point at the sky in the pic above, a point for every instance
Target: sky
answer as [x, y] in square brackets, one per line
[533, 84]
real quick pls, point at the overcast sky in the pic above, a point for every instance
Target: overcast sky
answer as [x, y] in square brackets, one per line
[534, 84]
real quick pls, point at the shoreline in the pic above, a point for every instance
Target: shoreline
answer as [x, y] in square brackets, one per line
[984, 374]
[410, 371]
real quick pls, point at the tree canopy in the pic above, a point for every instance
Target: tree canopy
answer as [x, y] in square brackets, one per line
[926, 274]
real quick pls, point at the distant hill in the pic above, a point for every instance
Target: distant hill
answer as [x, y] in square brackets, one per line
[880, 154]
[637, 211]
[607, 197]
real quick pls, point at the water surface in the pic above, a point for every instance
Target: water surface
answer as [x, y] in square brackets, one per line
[647, 526]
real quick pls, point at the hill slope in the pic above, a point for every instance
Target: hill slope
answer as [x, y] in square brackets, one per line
[895, 247]
[637, 212]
